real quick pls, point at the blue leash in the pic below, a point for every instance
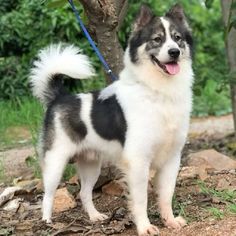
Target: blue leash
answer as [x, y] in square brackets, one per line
[101, 58]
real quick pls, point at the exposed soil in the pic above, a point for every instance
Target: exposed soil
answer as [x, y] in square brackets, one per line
[190, 202]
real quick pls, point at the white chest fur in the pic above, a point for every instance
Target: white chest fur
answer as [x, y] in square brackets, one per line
[157, 125]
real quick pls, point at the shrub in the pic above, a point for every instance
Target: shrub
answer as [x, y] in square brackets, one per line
[27, 26]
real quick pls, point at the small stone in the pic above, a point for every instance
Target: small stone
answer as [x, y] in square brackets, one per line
[222, 184]
[14, 163]
[12, 205]
[8, 194]
[188, 172]
[211, 159]
[29, 185]
[113, 188]
[215, 200]
[120, 213]
[39, 186]
[108, 174]
[63, 201]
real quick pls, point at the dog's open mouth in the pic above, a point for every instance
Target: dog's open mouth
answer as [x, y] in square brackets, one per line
[171, 68]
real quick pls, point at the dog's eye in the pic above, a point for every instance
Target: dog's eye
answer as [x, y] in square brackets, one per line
[157, 39]
[177, 37]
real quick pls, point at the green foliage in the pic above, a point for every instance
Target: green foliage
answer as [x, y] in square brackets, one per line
[27, 26]
[212, 100]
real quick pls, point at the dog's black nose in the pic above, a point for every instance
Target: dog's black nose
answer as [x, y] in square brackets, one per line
[174, 53]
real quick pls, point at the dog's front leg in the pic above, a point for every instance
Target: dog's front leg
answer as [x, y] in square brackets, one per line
[137, 170]
[165, 180]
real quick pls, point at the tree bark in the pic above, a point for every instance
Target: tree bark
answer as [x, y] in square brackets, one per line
[230, 42]
[105, 17]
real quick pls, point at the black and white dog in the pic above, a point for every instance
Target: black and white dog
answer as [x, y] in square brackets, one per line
[138, 122]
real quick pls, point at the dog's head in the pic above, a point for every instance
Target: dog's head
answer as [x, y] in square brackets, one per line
[161, 43]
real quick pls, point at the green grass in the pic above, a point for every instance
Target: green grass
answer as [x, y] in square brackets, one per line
[33, 162]
[23, 115]
[228, 197]
[2, 173]
[224, 195]
[216, 213]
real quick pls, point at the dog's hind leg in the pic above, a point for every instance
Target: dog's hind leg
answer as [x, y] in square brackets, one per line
[53, 165]
[89, 167]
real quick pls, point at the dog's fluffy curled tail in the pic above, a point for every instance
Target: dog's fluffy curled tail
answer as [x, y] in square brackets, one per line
[53, 61]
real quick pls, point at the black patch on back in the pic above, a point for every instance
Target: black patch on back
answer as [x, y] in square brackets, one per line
[145, 35]
[108, 118]
[68, 107]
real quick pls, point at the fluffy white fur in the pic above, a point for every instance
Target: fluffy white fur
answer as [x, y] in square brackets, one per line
[157, 109]
[58, 59]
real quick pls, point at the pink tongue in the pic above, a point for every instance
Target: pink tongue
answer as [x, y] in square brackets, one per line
[172, 68]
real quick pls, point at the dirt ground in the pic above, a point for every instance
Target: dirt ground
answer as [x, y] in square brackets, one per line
[190, 201]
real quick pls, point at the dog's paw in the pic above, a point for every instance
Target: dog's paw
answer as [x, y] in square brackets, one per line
[175, 223]
[149, 230]
[97, 216]
[47, 220]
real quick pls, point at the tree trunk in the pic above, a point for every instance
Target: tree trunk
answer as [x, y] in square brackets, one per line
[105, 18]
[230, 42]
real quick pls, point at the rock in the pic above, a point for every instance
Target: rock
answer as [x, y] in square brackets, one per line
[8, 194]
[114, 188]
[222, 184]
[12, 205]
[108, 173]
[39, 186]
[28, 185]
[225, 184]
[211, 159]
[119, 213]
[191, 172]
[63, 201]
[14, 162]
[188, 172]
[215, 200]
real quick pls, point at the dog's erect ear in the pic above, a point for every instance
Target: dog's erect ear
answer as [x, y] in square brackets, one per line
[176, 13]
[144, 17]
